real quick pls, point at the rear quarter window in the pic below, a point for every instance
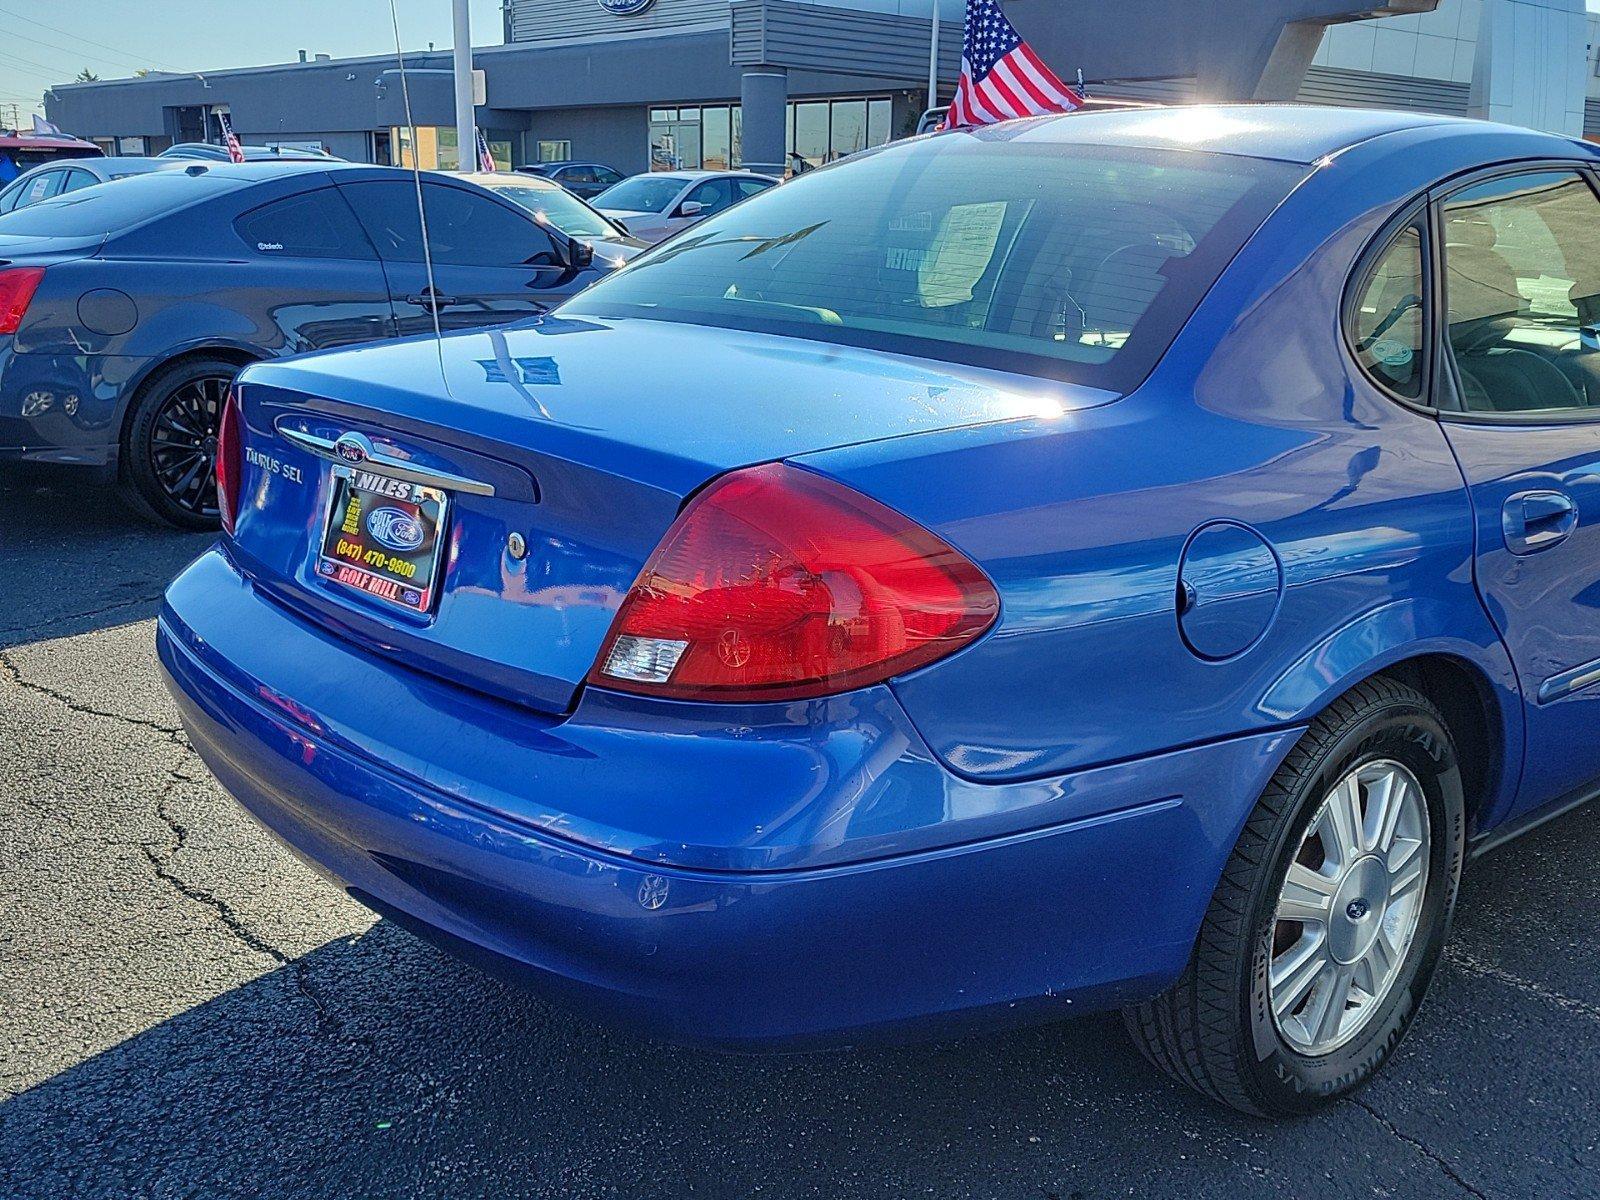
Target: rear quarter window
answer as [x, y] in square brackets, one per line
[315, 224]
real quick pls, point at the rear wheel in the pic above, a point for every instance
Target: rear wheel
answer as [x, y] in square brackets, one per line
[1325, 930]
[170, 458]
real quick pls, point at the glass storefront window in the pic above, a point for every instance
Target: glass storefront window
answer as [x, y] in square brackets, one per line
[811, 131]
[878, 116]
[435, 148]
[711, 138]
[716, 139]
[675, 139]
[849, 128]
[558, 150]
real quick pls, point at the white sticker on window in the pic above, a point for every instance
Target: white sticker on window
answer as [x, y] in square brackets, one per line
[961, 252]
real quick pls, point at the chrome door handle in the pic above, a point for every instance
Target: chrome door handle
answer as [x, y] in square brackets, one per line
[1537, 520]
[432, 301]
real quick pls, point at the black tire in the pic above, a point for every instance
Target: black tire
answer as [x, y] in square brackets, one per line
[169, 453]
[1214, 1029]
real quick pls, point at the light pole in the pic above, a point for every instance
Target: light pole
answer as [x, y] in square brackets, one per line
[933, 60]
[466, 124]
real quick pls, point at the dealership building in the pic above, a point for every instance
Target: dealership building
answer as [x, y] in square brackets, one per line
[659, 84]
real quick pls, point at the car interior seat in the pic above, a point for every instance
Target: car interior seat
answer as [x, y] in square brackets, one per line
[1484, 305]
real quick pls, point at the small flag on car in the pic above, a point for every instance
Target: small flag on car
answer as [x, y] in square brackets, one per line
[230, 139]
[1001, 76]
[485, 159]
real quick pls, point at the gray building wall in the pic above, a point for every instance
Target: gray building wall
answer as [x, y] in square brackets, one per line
[602, 71]
[619, 135]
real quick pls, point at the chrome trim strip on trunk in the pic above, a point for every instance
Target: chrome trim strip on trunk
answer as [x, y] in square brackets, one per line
[357, 450]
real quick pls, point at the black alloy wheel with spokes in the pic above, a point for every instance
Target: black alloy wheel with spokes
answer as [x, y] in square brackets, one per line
[170, 457]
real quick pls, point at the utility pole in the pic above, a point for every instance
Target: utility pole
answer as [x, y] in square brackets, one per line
[466, 124]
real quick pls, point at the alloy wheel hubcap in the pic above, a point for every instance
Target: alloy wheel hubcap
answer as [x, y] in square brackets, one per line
[1349, 907]
[183, 443]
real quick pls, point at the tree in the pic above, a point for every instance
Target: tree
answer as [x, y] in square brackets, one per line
[87, 76]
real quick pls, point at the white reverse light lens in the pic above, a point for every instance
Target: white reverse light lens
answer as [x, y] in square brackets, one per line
[643, 659]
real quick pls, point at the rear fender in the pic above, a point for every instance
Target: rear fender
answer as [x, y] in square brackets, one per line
[1399, 631]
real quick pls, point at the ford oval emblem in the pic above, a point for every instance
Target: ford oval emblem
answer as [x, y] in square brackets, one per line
[626, 8]
[351, 449]
[395, 528]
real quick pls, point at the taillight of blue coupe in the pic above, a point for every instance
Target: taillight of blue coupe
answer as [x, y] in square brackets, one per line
[1125, 560]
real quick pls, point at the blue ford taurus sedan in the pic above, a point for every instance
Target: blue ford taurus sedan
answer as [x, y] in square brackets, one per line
[1123, 560]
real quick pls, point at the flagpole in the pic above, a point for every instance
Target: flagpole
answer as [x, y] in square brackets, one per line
[933, 60]
[466, 124]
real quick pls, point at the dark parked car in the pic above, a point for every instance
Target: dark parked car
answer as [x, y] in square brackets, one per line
[586, 179]
[58, 178]
[126, 311]
[209, 152]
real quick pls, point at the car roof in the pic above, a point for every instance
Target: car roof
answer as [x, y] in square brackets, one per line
[255, 171]
[696, 176]
[509, 179]
[1297, 133]
[34, 141]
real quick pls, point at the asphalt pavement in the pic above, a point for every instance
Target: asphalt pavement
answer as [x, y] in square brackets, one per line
[186, 1011]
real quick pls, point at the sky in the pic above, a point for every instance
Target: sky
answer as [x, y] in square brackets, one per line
[47, 41]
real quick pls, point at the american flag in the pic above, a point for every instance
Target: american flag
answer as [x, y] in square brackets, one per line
[230, 139]
[1001, 76]
[485, 159]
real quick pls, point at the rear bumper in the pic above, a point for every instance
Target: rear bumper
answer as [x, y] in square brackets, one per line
[1085, 912]
[63, 409]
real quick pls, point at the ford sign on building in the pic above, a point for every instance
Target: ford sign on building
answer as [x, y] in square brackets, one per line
[765, 84]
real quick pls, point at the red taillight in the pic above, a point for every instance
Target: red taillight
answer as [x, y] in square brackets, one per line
[230, 460]
[778, 584]
[17, 287]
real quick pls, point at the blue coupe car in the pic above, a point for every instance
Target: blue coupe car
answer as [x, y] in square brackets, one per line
[126, 312]
[1119, 560]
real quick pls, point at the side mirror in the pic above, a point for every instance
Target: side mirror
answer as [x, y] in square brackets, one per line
[580, 255]
[691, 208]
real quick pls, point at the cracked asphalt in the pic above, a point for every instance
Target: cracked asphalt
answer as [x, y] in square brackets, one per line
[185, 1011]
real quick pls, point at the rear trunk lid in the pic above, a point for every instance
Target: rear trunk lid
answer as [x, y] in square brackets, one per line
[17, 248]
[564, 450]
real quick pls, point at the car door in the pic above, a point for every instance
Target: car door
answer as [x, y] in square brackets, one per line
[712, 195]
[325, 286]
[1520, 252]
[492, 262]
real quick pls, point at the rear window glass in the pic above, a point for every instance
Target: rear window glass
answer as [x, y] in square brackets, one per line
[96, 211]
[1077, 262]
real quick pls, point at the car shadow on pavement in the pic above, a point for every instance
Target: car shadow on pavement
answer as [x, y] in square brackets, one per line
[74, 558]
[375, 1066]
